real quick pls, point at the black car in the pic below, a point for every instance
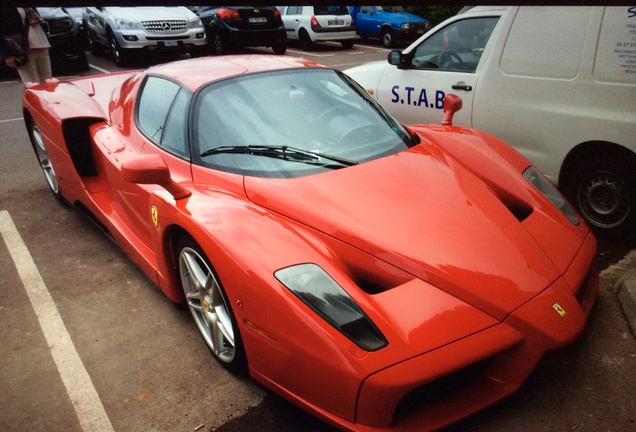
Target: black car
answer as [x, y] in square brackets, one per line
[232, 27]
[66, 37]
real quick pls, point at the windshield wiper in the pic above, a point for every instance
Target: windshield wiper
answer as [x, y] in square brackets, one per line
[279, 152]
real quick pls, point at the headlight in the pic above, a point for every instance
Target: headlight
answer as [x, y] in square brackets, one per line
[126, 24]
[548, 190]
[406, 26]
[195, 22]
[314, 287]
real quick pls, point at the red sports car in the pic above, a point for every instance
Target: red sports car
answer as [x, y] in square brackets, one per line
[381, 277]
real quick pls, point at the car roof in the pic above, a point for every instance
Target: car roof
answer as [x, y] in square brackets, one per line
[193, 73]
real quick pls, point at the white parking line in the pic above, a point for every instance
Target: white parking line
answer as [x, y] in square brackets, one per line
[88, 406]
[12, 120]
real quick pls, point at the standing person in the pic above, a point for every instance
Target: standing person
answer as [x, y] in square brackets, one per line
[26, 22]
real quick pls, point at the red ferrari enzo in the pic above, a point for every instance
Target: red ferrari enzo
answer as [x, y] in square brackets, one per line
[381, 277]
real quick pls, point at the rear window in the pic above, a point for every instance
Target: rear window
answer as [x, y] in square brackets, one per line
[330, 10]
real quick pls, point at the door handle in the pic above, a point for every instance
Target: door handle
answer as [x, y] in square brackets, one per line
[461, 86]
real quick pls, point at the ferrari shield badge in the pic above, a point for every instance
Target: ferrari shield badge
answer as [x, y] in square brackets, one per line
[155, 216]
[557, 307]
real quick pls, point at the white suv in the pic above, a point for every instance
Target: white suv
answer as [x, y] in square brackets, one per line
[128, 31]
[311, 24]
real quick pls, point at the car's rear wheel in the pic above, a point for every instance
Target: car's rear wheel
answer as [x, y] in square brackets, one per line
[37, 141]
[209, 305]
[305, 40]
[279, 47]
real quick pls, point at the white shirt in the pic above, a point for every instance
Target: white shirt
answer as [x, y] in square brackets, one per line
[37, 37]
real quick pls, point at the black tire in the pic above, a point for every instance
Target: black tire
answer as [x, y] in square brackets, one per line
[81, 62]
[118, 54]
[347, 44]
[280, 47]
[218, 44]
[386, 37]
[305, 40]
[37, 142]
[209, 305]
[603, 189]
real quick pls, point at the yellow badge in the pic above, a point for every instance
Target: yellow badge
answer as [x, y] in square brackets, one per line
[155, 216]
[557, 307]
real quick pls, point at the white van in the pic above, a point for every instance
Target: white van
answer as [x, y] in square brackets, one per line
[557, 83]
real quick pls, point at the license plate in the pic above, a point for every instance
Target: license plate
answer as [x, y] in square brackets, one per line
[171, 43]
[255, 20]
[335, 22]
[420, 31]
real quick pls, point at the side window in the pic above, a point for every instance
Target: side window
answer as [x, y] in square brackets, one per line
[456, 47]
[293, 10]
[175, 134]
[366, 9]
[162, 114]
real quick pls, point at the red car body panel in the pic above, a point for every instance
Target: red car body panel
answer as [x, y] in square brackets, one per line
[469, 290]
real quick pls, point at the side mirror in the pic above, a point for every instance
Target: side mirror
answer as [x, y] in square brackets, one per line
[152, 169]
[452, 104]
[395, 58]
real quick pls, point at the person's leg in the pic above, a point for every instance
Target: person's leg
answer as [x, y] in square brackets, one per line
[44, 65]
[28, 72]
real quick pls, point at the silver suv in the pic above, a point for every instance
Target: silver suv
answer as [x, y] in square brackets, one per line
[129, 31]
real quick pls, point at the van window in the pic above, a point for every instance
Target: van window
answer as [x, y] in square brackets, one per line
[546, 43]
[616, 52]
[456, 47]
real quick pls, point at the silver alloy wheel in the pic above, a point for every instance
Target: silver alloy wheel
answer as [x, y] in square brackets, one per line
[207, 303]
[43, 159]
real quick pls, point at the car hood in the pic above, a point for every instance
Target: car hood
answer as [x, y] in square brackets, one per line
[427, 215]
[151, 13]
[401, 17]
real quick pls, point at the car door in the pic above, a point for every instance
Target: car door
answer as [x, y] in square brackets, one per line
[96, 22]
[291, 19]
[159, 127]
[443, 62]
[366, 22]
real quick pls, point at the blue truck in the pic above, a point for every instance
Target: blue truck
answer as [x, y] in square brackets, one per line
[388, 23]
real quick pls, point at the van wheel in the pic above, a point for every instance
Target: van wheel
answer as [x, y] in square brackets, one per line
[604, 192]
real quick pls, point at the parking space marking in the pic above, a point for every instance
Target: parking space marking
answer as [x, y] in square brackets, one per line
[82, 393]
[12, 120]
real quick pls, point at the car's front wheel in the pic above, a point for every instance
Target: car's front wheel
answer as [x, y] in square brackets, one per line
[117, 53]
[386, 37]
[37, 141]
[210, 307]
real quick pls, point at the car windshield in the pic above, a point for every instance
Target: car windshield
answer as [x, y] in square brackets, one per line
[291, 123]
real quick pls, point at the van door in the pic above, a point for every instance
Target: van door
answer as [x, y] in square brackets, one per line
[446, 61]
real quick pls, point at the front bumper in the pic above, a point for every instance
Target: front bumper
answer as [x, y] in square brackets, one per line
[158, 41]
[444, 385]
